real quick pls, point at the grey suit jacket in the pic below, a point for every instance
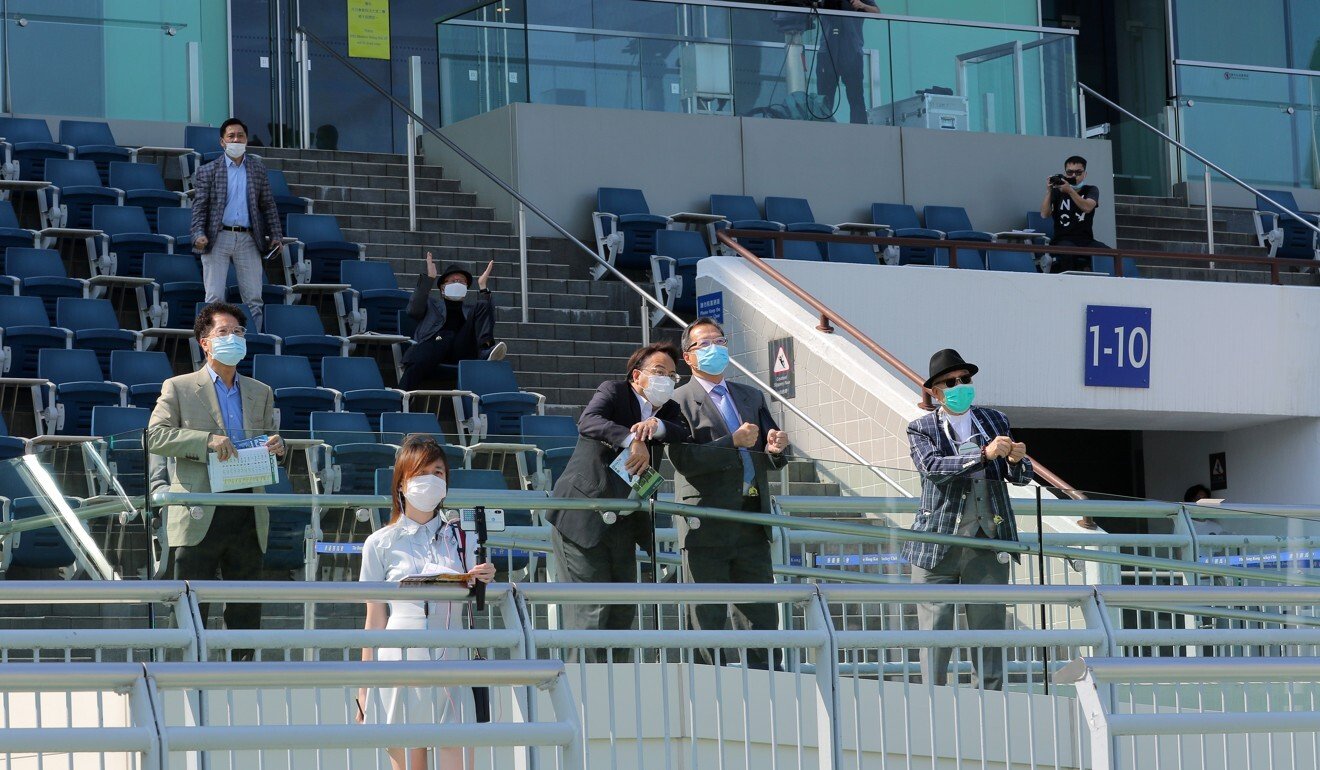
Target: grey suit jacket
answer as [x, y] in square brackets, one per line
[186, 415]
[708, 471]
[212, 193]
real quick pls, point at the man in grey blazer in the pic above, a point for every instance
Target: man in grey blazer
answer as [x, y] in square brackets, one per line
[234, 219]
[209, 411]
[735, 442]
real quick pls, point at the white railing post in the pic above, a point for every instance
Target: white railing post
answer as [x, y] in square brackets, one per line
[828, 730]
[522, 263]
[1209, 217]
[415, 102]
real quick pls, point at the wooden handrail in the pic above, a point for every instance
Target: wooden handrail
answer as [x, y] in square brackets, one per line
[828, 316]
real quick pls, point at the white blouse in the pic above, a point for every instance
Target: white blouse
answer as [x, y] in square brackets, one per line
[406, 547]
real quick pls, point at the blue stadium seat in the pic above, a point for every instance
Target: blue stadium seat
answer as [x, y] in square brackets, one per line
[301, 333]
[42, 548]
[296, 393]
[39, 273]
[796, 215]
[24, 330]
[128, 236]
[354, 450]
[555, 435]
[674, 270]
[77, 187]
[27, 142]
[395, 426]
[205, 144]
[93, 140]
[123, 428]
[1010, 261]
[286, 538]
[320, 250]
[625, 229]
[957, 226]
[178, 280]
[852, 253]
[80, 384]
[376, 293]
[1104, 264]
[1040, 224]
[142, 371]
[901, 220]
[502, 402]
[271, 293]
[11, 235]
[285, 201]
[741, 213]
[177, 224]
[144, 187]
[11, 446]
[362, 388]
[1283, 235]
[467, 478]
[802, 251]
[95, 327]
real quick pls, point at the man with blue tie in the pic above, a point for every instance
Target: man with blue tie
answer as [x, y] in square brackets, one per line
[234, 219]
[734, 443]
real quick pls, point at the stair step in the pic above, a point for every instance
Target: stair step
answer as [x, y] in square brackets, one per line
[333, 155]
[324, 194]
[564, 317]
[511, 328]
[399, 210]
[1126, 232]
[1178, 247]
[291, 166]
[480, 239]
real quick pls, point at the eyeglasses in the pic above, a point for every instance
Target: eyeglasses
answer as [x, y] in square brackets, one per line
[660, 374]
[703, 344]
[238, 330]
[950, 382]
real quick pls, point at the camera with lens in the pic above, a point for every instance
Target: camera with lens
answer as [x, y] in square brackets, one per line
[1058, 179]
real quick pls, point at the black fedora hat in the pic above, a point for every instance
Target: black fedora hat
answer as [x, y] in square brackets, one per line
[946, 361]
[455, 269]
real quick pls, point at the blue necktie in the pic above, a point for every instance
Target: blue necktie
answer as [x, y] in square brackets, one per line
[725, 405]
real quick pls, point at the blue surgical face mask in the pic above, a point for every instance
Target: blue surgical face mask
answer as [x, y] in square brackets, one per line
[713, 359]
[959, 398]
[229, 349]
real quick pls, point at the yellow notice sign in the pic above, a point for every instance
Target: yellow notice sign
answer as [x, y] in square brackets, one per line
[369, 29]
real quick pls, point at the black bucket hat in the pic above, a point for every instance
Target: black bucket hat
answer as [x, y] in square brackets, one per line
[946, 361]
[455, 269]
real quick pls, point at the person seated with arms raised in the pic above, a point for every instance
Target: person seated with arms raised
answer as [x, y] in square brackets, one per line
[450, 329]
[419, 540]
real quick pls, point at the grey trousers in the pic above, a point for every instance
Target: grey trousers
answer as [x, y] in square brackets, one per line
[612, 560]
[967, 566]
[239, 249]
[738, 563]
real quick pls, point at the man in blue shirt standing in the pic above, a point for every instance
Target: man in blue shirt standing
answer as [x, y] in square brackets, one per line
[234, 220]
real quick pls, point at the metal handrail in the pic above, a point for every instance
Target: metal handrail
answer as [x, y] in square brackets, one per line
[646, 297]
[1087, 90]
[827, 315]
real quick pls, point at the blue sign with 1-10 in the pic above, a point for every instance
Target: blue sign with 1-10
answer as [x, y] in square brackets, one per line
[1117, 346]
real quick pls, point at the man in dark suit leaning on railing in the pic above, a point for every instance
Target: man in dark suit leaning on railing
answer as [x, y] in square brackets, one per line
[965, 455]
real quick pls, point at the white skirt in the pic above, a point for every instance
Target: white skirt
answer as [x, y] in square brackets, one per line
[418, 705]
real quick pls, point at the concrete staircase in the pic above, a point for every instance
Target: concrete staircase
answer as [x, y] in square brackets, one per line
[579, 331]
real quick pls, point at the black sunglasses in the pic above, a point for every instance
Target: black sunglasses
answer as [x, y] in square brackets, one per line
[951, 381]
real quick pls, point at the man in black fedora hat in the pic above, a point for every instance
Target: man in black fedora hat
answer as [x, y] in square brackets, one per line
[450, 329]
[965, 455]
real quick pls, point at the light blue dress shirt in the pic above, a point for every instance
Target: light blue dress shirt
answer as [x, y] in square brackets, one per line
[231, 405]
[236, 205]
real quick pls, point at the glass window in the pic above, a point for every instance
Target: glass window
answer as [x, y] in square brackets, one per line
[1231, 31]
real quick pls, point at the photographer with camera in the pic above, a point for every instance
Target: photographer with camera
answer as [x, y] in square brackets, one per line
[1070, 203]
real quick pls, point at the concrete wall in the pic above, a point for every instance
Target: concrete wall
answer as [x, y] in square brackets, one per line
[562, 154]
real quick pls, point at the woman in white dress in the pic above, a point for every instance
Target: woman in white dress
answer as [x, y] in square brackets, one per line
[418, 540]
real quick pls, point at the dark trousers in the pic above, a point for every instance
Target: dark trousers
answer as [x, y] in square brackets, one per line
[845, 67]
[424, 359]
[1074, 262]
[965, 566]
[742, 561]
[229, 551]
[612, 560]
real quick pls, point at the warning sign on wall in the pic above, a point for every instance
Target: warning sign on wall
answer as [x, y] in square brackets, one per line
[781, 367]
[1218, 471]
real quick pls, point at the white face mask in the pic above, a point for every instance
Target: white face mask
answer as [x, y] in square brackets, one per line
[235, 150]
[454, 291]
[425, 492]
[658, 391]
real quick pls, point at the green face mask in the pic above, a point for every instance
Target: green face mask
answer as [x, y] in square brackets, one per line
[958, 399]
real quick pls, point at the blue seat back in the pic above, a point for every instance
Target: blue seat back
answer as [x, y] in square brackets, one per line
[293, 321]
[8, 218]
[395, 426]
[1105, 264]
[32, 263]
[1285, 199]
[364, 275]
[16, 130]
[351, 373]
[283, 371]
[899, 216]
[78, 314]
[171, 268]
[60, 366]
[947, 218]
[803, 251]
[335, 428]
[140, 367]
[120, 220]
[788, 210]
[549, 431]
[680, 244]
[22, 311]
[42, 548]
[174, 222]
[1040, 224]
[119, 420]
[279, 186]
[62, 172]
[735, 207]
[202, 139]
[621, 200]
[1010, 261]
[286, 535]
[483, 377]
[853, 253]
[311, 228]
[136, 176]
[80, 133]
[472, 478]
